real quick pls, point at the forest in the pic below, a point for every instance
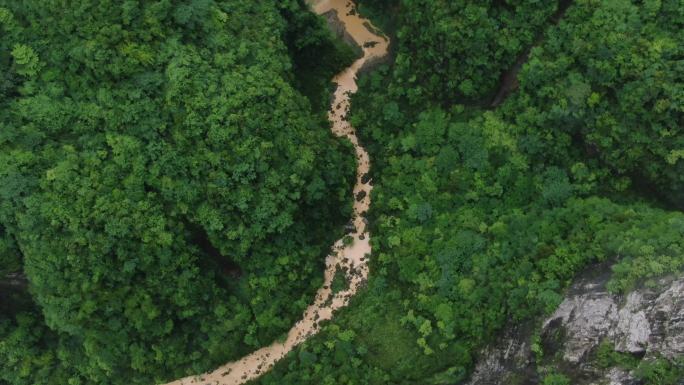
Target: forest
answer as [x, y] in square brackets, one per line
[169, 186]
[169, 189]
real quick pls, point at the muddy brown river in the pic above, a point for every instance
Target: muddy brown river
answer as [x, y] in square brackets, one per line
[352, 258]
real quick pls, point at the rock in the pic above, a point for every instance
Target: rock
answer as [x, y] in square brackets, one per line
[666, 319]
[512, 357]
[633, 329]
[586, 320]
[349, 228]
[365, 178]
[648, 323]
[617, 376]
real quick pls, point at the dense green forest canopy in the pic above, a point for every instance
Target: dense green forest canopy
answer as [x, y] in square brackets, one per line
[168, 181]
[169, 187]
[481, 217]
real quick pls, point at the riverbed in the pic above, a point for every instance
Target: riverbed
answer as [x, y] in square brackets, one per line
[350, 256]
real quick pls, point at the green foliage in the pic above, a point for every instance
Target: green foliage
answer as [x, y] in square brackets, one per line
[482, 218]
[661, 372]
[10, 256]
[648, 253]
[170, 186]
[339, 282]
[451, 50]
[536, 347]
[555, 379]
[316, 55]
[650, 371]
[348, 240]
[608, 80]
[606, 357]
[26, 60]
[171, 191]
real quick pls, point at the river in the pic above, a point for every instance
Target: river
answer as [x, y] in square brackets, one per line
[351, 258]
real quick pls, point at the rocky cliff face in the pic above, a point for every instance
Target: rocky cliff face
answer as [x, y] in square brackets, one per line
[646, 324]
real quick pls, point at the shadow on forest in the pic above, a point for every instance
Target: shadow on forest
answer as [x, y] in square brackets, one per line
[509, 79]
[213, 260]
[14, 294]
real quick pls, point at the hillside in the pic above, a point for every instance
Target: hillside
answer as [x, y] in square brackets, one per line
[187, 184]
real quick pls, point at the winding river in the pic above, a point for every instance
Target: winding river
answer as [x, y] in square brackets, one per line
[351, 258]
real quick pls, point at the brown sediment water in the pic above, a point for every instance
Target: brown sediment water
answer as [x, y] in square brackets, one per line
[352, 258]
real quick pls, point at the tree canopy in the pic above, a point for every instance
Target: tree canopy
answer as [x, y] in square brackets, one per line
[166, 188]
[481, 216]
[169, 186]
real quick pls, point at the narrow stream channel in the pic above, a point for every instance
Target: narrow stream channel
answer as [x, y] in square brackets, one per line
[352, 258]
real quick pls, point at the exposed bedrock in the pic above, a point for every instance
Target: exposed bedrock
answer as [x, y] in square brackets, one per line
[648, 323]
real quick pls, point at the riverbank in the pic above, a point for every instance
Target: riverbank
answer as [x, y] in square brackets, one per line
[349, 254]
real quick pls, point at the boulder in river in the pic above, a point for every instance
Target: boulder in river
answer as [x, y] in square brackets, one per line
[365, 178]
